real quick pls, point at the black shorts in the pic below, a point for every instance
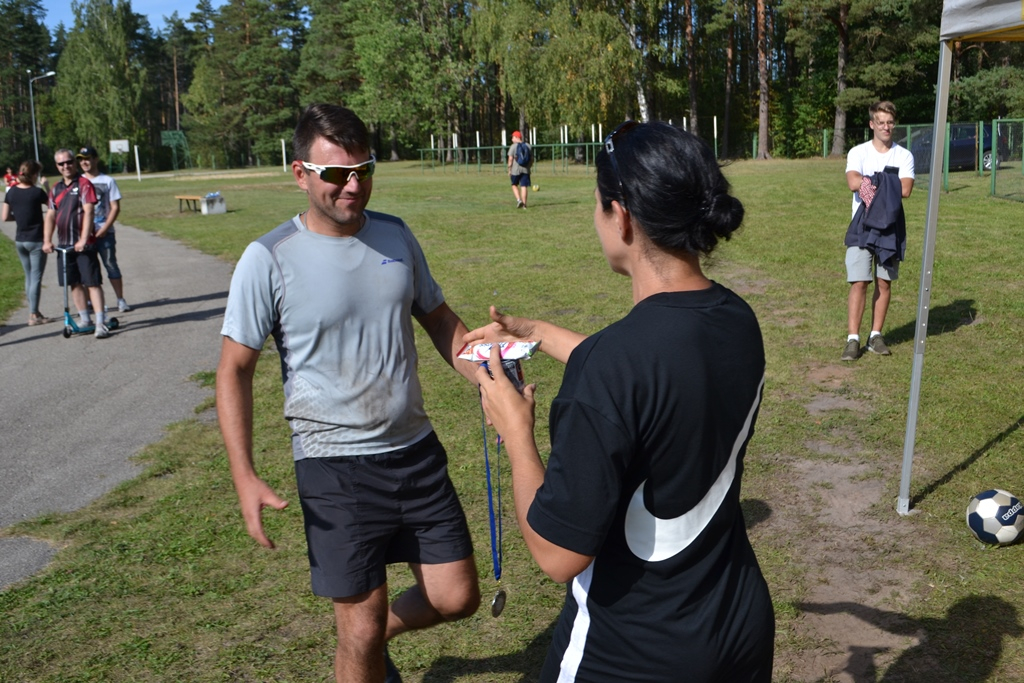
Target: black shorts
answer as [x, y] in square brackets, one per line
[365, 512]
[83, 268]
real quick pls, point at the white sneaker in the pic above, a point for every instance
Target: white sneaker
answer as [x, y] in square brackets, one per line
[123, 306]
[101, 331]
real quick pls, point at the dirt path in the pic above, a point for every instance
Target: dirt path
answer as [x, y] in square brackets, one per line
[851, 615]
[849, 625]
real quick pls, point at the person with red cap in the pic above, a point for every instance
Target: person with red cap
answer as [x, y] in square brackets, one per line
[518, 171]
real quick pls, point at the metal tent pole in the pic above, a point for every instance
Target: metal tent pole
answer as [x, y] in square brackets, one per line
[924, 294]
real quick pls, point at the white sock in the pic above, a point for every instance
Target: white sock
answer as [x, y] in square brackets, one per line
[85, 317]
[874, 333]
[853, 337]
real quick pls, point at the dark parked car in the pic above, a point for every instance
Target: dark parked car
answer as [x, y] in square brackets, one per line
[963, 148]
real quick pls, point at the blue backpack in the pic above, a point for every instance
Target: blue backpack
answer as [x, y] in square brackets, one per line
[523, 155]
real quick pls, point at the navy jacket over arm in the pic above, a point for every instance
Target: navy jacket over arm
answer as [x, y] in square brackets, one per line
[882, 227]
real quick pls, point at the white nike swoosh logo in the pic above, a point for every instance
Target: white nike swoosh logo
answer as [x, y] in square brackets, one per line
[653, 539]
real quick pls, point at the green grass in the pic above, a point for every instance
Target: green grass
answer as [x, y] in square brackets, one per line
[158, 581]
[12, 279]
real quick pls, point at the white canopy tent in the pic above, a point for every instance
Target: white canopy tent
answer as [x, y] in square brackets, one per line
[962, 20]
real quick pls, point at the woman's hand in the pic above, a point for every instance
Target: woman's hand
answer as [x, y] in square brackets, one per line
[511, 413]
[503, 328]
[557, 342]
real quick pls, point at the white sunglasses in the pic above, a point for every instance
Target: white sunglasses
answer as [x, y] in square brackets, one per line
[340, 175]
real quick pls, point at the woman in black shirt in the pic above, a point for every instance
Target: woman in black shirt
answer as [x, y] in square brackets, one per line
[25, 202]
[638, 509]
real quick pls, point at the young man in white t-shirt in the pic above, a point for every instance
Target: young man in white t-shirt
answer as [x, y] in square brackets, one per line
[108, 207]
[862, 266]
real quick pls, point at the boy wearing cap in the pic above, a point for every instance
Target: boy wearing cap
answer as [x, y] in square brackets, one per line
[520, 174]
[108, 206]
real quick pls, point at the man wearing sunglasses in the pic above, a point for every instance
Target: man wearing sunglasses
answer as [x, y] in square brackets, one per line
[72, 206]
[338, 288]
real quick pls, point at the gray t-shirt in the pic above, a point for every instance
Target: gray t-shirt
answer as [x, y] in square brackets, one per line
[340, 310]
[516, 168]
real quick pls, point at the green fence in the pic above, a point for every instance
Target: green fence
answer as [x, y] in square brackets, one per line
[995, 147]
[1008, 178]
[558, 158]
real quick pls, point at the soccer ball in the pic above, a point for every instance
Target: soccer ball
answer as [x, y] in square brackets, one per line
[995, 517]
[536, 188]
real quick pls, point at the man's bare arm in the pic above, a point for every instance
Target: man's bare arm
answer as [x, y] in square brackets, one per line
[115, 209]
[446, 330]
[234, 412]
[853, 180]
[49, 223]
[88, 212]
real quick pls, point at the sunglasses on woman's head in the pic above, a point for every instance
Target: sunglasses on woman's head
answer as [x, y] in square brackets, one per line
[340, 175]
[609, 146]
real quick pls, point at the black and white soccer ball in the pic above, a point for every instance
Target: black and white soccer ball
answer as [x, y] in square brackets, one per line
[995, 517]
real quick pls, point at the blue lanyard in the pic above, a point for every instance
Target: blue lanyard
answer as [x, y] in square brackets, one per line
[496, 545]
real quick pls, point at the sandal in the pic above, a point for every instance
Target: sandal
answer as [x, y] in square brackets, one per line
[38, 319]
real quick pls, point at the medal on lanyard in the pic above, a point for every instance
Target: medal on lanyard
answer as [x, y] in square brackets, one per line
[498, 602]
[513, 369]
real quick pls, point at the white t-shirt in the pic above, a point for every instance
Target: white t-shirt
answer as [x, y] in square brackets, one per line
[867, 161]
[106, 192]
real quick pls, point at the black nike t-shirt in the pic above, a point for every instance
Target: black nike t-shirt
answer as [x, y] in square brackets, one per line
[648, 433]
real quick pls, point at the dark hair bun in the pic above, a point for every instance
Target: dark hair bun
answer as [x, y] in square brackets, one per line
[724, 215]
[673, 186]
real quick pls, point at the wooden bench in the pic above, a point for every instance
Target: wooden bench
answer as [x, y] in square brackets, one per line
[189, 200]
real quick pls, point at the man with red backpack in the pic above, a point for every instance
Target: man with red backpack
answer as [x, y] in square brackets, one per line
[72, 205]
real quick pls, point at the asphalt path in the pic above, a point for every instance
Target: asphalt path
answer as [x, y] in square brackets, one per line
[74, 412]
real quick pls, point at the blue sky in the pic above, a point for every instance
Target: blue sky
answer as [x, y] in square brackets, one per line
[58, 11]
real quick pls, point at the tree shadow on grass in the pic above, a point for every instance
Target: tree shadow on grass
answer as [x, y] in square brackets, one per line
[941, 319]
[970, 460]
[527, 662]
[963, 647]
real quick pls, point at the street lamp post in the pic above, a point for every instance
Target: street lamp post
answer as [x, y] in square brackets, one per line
[32, 106]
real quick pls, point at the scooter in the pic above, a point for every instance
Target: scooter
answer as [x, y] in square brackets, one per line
[70, 326]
